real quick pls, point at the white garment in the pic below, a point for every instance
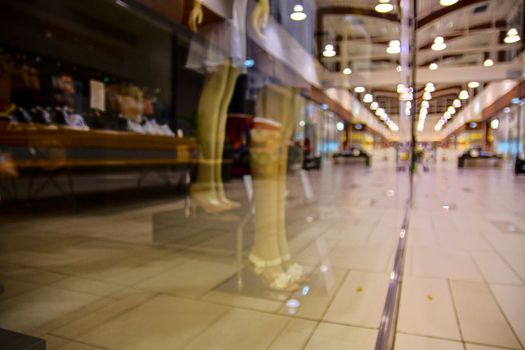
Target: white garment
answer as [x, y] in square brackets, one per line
[135, 127]
[76, 121]
[223, 41]
[151, 127]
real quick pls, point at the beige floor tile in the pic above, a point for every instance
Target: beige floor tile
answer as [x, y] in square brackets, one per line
[82, 285]
[360, 300]
[364, 257]
[131, 270]
[294, 336]
[241, 329]
[512, 301]
[479, 316]
[517, 261]
[426, 308]
[494, 268]
[192, 278]
[57, 343]
[163, 322]
[436, 262]
[102, 312]
[335, 337]
[242, 301]
[315, 296]
[13, 287]
[481, 347]
[31, 311]
[28, 274]
[413, 342]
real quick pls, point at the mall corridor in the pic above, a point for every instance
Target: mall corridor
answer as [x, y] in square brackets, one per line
[262, 174]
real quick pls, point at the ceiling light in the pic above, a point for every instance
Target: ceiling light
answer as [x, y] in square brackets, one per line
[380, 111]
[488, 62]
[427, 96]
[347, 71]
[384, 6]
[368, 98]
[439, 44]
[340, 126]
[430, 87]
[425, 104]
[383, 116]
[409, 104]
[447, 2]
[374, 106]
[512, 36]
[398, 68]
[447, 115]
[451, 110]
[456, 103]
[359, 89]
[494, 124]
[401, 88]
[298, 13]
[329, 51]
[394, 46]
[463, 95]
[473, 84]
[433, 66]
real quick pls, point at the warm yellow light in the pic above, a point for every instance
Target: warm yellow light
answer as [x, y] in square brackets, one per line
[359, 89]
[447, 2]
[512, 36]
[427, 96]
[488, 62]
[439, 44]
[298, 13]
[456, 103]
[368, 98]
[430, 87]
[329, 50]
[463, 95]
[384, 6]
[347, 71]
[433, 66]
[473, 84]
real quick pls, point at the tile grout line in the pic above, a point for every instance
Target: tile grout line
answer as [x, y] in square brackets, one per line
[456, 314]
[326, 310]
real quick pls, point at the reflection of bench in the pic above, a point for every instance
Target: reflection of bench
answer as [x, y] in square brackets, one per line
[353, 155]
[50, 152]
[492, 158]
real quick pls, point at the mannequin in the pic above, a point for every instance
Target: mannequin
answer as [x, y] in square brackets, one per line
[221, 66]
[270, 253]
[131, 107]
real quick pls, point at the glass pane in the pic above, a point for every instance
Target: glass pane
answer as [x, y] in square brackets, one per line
[292, 174]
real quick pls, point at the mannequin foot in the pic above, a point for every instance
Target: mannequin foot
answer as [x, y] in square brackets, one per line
[207, 201]
[275, 278]
[230, 203]
[296, 272]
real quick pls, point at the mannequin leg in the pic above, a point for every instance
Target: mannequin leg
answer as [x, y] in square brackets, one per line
[265, 254]
[287, 121]
[233, 74]
[204, 189]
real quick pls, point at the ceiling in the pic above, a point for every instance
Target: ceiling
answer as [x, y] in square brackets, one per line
[473, 31]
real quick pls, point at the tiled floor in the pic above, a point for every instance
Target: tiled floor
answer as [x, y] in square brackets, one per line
[145, 276]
